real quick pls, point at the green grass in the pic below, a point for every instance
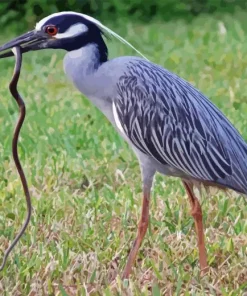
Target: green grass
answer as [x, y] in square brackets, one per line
[85, 181]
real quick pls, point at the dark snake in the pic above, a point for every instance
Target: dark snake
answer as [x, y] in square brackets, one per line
[22, 114]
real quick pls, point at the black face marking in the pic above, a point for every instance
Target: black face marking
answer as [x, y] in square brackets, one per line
[92, 35]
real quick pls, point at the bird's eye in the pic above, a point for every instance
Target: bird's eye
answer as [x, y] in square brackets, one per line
[51, 30]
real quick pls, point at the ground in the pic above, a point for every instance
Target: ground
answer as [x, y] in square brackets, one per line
[85, 181]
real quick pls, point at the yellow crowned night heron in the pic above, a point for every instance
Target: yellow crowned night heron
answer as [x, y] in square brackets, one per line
[171, 126]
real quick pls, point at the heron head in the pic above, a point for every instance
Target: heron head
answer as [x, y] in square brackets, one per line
[64, 30]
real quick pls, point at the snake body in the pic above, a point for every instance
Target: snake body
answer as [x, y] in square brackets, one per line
[22, 114]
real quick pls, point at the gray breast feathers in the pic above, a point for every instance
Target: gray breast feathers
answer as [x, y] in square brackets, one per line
[167, 118]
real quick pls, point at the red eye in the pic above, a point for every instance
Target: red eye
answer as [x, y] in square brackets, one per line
[51, 30]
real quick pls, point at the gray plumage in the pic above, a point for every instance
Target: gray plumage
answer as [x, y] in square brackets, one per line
[171, 121]
[165, 118]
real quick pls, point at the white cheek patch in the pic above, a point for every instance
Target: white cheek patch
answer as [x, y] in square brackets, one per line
[72, 31]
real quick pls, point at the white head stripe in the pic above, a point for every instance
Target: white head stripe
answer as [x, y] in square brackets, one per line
[73, 31]
[40, 24]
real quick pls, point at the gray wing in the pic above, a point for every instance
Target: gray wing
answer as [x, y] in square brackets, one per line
[167, 118]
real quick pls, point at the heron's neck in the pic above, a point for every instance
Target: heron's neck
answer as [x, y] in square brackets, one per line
[80, 66]
[85, 69]
[90, 57]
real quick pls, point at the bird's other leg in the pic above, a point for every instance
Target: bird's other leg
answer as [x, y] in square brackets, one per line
[196, 212]
[147, 179]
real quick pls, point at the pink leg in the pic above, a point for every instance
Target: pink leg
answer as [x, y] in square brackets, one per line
[196, 212]
[142, 229]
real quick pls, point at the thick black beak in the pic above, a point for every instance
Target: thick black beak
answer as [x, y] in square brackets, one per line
[32, 40]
